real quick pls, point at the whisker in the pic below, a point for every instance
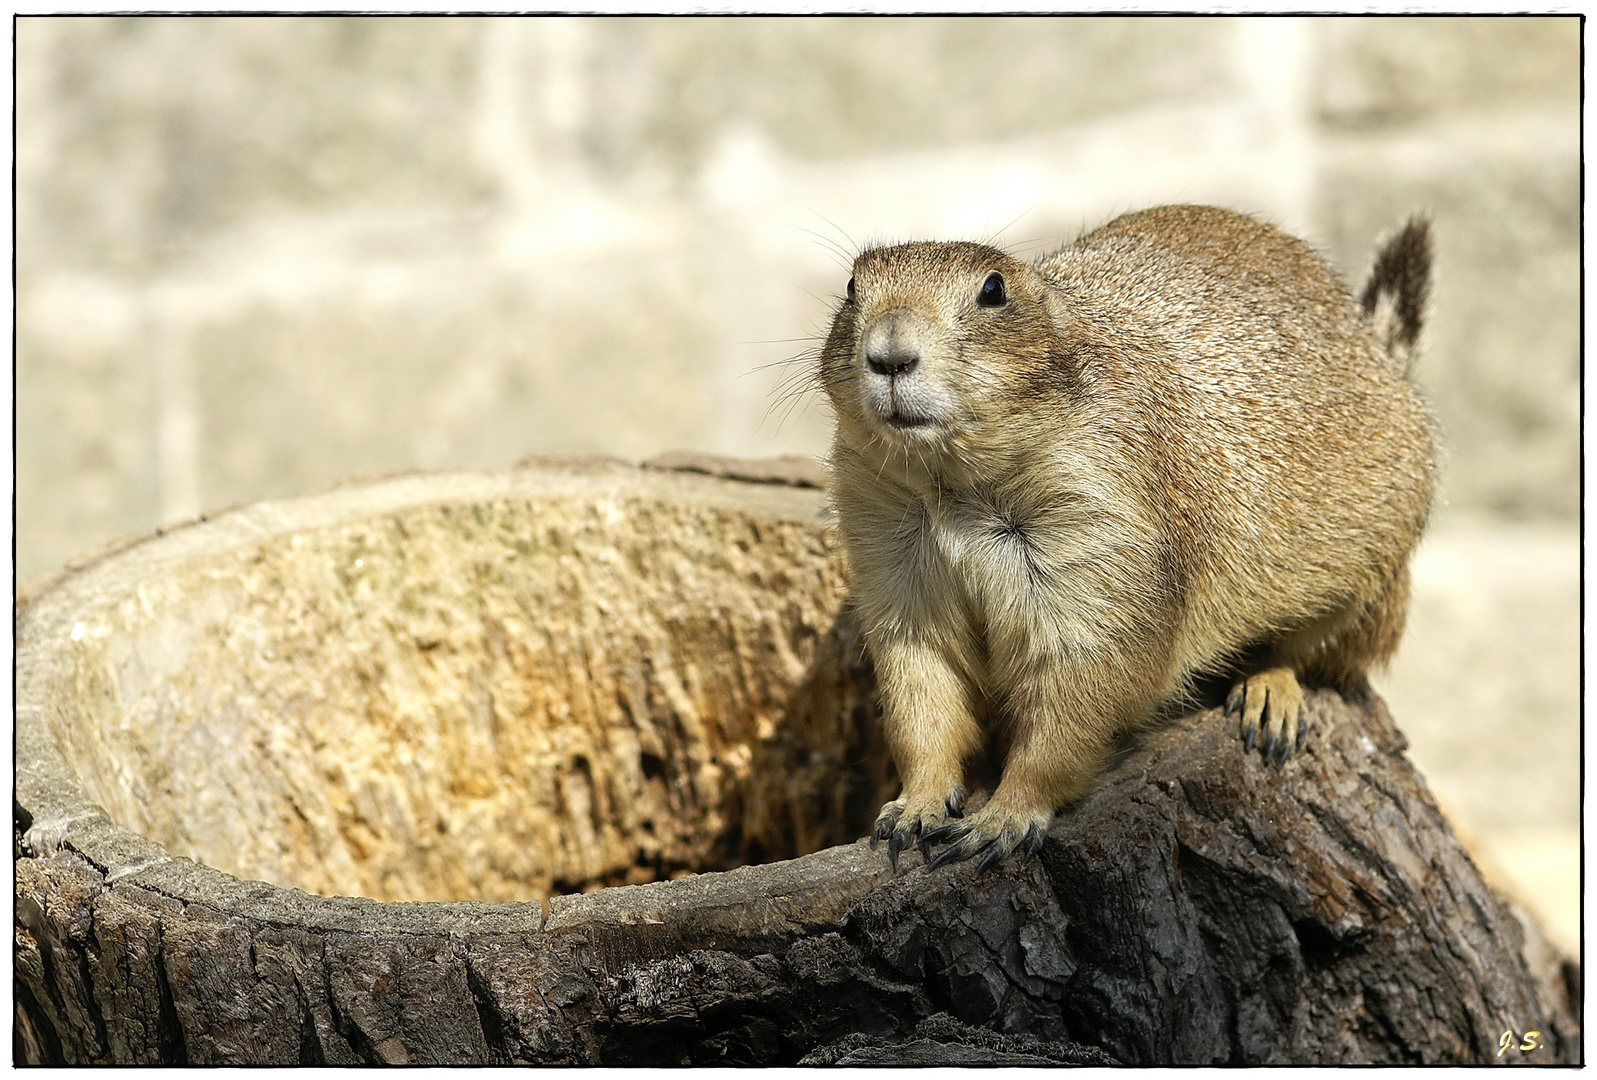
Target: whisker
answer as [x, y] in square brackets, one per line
[1054, 241]
[803, 397]
[797, 385]
[841, 255]
[840, 232]
[807, 354]
[829, 301]
[992, 240]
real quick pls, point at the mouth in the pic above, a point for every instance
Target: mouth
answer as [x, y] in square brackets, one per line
[915, 412]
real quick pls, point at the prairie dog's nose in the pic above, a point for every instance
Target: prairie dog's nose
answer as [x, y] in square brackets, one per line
[894, 342]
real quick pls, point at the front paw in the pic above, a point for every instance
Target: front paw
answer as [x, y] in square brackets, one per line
[903, 821]
[995, 830]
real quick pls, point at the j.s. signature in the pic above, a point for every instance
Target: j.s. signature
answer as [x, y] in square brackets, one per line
[1532, 1041]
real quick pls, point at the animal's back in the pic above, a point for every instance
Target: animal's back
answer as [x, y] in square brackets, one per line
[1295, 457]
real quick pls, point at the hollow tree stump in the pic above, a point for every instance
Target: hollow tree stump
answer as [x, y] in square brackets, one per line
[416, 707]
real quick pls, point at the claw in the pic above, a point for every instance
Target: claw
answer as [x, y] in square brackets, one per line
[1272, 713]
[990, 836]
[968, 845]
[886, 822]
[903, 837]
[943, 834]
[1236, 705]
[994, 853]
[954, 805]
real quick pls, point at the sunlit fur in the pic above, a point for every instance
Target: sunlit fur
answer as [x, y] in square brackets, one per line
[1177, 445]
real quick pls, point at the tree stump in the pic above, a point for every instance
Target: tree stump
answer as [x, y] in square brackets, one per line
[466, 768]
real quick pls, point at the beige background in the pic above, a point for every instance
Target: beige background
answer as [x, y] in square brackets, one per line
[259, 255]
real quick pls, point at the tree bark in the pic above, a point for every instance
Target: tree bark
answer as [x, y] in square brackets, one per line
[1197, 907]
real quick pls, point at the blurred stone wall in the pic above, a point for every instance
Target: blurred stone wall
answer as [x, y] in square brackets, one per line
[259, 255]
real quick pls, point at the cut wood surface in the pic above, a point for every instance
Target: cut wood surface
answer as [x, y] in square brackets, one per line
[447, 697]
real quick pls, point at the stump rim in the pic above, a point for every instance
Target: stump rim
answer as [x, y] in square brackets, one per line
[56, 813]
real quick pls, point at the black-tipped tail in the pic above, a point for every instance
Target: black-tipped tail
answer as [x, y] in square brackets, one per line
[1399, 286]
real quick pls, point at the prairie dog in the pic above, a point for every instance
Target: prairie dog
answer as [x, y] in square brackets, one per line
[1177, 447]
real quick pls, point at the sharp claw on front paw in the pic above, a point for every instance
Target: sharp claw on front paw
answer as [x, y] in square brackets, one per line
[1249, 732]
[965, 843]
[943, 834]
[1233, 702]
[968, 844]
[900, 840]
[952, 853]
[994, 853]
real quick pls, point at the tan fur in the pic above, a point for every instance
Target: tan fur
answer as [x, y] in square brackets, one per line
[1176, 447]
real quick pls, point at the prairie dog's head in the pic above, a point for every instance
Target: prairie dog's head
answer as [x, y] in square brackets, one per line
[933, 341]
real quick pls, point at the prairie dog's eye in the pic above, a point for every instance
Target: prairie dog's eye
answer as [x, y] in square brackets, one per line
[992, 291]
[851, 290]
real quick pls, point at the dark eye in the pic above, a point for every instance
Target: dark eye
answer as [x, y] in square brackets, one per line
[992, 291]
[851, 290]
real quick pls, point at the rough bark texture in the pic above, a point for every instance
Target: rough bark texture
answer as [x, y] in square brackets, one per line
[942, 1040]
[1197, 907]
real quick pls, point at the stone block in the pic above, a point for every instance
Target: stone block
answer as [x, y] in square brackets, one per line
[829, 89]
[480, 371]
[87, 462]
[1383, 71]
[140, 137]
[1487, 679]
[1501, 360]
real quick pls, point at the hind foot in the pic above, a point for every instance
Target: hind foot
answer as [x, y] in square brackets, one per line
[1271, 706]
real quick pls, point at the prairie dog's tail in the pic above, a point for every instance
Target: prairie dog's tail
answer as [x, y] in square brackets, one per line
[1394, 297]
